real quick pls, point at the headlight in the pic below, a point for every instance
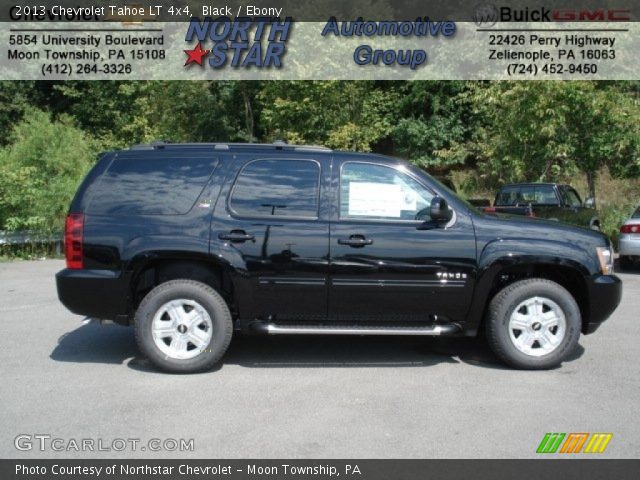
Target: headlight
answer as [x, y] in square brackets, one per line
[605, 256]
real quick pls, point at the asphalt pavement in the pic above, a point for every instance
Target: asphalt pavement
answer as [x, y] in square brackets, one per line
[298, 397]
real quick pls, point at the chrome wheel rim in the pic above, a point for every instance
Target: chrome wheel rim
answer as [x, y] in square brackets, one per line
[537, 326]
[182, 329]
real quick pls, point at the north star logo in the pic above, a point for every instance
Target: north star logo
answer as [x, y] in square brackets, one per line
[196, 55]
[240, 43]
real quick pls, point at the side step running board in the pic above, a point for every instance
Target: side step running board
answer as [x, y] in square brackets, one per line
[273, 329]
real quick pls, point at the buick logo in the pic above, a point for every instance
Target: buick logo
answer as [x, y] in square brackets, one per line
[486, 15]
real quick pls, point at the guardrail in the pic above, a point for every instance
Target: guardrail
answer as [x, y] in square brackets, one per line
[24, 238]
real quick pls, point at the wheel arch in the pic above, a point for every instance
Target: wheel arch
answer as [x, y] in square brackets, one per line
[151, 269]
[500, 270]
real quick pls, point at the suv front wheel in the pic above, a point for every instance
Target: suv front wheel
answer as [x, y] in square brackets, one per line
[183, 326]
[533, 324]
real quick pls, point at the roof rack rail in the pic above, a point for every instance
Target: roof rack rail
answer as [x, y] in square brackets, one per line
[312, 148]
[277, 144]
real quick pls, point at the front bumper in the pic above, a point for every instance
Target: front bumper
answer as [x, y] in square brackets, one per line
[94, 293]
[629, 245]
[605, 293]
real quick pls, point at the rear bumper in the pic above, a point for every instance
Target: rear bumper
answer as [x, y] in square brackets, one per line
[629, 245]
[605, 292]
[94, 293]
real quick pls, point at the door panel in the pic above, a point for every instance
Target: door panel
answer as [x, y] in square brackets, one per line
[271, 230]
[391, 271]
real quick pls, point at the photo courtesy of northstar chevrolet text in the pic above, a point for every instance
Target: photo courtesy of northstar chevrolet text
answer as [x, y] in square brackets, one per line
[278, 239]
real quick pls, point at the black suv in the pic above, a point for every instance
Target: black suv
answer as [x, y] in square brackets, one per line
[191, 242]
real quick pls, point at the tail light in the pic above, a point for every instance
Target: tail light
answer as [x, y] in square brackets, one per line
[630, 229]
[490, 209]
[73, 237]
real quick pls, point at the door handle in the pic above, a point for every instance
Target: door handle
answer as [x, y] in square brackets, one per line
[357, 241]
[238, 236]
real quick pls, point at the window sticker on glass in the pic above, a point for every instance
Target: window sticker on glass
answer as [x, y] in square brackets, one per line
[376, 199]
[409, 200]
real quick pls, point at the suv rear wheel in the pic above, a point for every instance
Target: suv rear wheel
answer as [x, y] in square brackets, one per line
[183, 326]
[533, 324]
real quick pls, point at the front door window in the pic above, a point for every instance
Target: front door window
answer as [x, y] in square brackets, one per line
[377, 192]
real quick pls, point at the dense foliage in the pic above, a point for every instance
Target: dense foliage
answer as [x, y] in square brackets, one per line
[40, 170]
[51, 132]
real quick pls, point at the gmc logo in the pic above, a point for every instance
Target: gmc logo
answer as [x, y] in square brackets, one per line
[601, 15]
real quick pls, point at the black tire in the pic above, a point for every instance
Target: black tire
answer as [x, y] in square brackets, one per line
[626, 263]
[502, 307]
[210, 300]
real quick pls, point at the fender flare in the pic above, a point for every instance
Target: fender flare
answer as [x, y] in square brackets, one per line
[501, 254]
[159, 250]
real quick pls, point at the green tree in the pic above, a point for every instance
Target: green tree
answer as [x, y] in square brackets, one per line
[129, 112]
[15, 98]
[351, 115]
[40, 172]
[435, 117]
[553, 130]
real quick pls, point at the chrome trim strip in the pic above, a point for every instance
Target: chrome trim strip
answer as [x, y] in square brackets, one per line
[399, 283]
[273, 329]
[292, 281]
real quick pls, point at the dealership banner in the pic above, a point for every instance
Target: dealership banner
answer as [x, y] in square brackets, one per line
[318, 469]
[325, 40]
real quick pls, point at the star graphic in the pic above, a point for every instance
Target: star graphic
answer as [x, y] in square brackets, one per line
[195, 55]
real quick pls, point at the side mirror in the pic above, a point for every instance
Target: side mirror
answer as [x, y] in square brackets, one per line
[439, 210]
[590, 202]
[439, 214]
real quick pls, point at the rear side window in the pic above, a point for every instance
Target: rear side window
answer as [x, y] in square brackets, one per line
[159, 184]
[281, 188]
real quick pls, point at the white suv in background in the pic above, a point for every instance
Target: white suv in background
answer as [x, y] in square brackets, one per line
[630, 241]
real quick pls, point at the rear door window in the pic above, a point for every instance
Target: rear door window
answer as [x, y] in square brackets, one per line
[277, 188]
[161, 183]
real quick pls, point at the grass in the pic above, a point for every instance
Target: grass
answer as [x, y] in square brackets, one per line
[616, 201]
[30, 251]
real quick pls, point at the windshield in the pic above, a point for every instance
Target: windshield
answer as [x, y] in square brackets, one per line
[571, 197]
[636, 214]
